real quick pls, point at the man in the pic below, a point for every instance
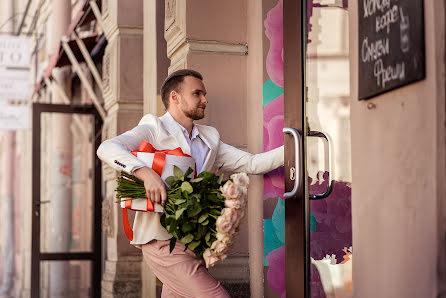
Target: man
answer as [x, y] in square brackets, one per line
[184, 97]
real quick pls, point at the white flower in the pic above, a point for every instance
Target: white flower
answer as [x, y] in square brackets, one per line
[210, 259]
[230, 190]
[230, 215]
[219, 248]
[223, 224]
[234, 203]
[224, 238]
[240, 179]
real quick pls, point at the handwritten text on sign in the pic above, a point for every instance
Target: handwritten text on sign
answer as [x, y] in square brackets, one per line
[391, 45]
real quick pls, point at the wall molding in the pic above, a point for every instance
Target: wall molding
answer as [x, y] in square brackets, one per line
[234, 269]
[207, 47]
[217, 47]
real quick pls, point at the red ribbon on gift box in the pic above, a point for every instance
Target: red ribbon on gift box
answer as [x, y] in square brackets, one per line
[158, 165]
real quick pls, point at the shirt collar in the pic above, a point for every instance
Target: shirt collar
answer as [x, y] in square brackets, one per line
[195, 131]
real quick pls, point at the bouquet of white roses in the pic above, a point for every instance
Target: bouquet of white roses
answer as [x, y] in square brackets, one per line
[203, 212]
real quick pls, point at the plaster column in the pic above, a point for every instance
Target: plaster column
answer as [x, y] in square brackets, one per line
[211, 37]
[7, 185]
[8, 239]
[255, 143]
[122, 78]
[61, 161]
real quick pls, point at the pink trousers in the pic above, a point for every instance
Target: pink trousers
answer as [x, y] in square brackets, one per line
[182, 274]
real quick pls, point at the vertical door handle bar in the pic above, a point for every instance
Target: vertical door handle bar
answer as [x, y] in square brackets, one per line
[297, 161]
[330, 166]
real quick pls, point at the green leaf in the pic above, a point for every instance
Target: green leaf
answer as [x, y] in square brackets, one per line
[187, 239]
[205, 222]
[220, 179]
[171, 180]
[177, 172]
[202, 230]
[194, 209]
[193, 245]
[176, 194]
[187, 227]
[179, 212]
[212, 197]
[207, 237]
[186, 187]
[215, 211]
[210, 239]
[188, 172]
[175, 234]
[207, 175]
[196, 180]
[173, 241]
[202, 218]
[196, 197]
[180, 201]
[197, 236]
[172, 227]
[163, 220]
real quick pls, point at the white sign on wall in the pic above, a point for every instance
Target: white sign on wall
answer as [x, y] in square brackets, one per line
[14, 117]
[15, 52]
[15, 85]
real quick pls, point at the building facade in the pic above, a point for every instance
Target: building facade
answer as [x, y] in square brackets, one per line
[377, 230]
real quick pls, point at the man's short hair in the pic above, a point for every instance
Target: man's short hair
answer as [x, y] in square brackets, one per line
[173, 82]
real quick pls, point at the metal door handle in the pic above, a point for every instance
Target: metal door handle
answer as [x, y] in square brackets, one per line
[319, 134]
[297, 162]
[38, 203]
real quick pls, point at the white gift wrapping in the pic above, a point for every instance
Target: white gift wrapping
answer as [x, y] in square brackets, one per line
[182, 162]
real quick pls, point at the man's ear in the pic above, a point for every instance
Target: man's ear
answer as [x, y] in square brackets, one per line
[173, 97]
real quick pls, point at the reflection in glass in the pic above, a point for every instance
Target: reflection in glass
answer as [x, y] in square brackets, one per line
[327, 110]
[73, 282]
[66, 186]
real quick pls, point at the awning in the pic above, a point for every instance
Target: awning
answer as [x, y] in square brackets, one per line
[84, 16]
[95, 44]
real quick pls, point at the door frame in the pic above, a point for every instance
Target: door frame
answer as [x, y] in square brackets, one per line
[296, 208]
[95, 256]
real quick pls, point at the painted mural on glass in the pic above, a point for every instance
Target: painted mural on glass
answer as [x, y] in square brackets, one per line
[330, 218]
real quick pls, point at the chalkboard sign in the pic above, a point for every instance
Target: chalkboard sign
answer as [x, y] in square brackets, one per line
[391, 45]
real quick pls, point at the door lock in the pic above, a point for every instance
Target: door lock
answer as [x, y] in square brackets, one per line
[292, 173]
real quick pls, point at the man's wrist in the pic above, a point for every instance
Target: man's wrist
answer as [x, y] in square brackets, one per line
[143, 173]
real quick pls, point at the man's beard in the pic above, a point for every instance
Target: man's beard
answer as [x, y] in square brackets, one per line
[196, 114]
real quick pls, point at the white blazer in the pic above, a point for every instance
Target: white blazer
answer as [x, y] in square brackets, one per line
[165, 133]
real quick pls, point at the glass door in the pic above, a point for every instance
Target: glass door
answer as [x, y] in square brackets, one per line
[318, 226]
[66, 211]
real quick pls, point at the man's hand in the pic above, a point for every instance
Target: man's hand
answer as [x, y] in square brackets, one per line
[155, 187]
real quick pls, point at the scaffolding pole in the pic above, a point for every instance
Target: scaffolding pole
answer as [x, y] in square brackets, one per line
[77, 68]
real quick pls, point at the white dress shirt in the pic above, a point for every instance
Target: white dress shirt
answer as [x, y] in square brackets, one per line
[199, 150]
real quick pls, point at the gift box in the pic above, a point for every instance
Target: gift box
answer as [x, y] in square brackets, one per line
[162, 162]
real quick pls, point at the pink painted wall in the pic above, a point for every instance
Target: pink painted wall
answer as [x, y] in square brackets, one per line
[398, 172]
[214, 20]
[226, 89]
